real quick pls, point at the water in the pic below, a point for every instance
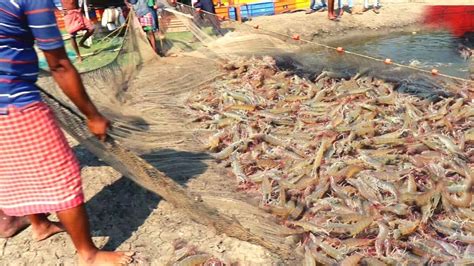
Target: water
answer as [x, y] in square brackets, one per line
[425, 50]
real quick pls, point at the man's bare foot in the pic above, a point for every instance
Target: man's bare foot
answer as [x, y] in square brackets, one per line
[332, 17]
[106, 258]
[340, 12]
[46, 229]
[79, 59]
[10, 226]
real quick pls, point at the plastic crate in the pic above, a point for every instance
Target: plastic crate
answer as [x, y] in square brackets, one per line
[255, 10]
[59, 19]
[262, 9]
[223, 12]
[284, 6]
[302, 4]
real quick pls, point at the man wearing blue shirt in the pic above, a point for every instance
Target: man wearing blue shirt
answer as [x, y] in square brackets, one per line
[39, 173]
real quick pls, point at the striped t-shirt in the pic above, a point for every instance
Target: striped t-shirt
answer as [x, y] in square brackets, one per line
[22, 22]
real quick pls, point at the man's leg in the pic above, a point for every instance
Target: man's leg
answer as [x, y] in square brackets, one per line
[10, 226]
[76, 222]
[76, 47]
[85, 37]
[312, 7]
[376, 6]
[42, 227]
[340, 9]
[323, 6]
[331, 14]
[350, 5]
[152, 39]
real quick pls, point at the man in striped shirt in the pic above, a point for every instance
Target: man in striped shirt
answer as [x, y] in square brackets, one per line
[39, 173]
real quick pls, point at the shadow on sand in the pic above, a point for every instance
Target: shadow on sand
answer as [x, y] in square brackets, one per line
[120, 208]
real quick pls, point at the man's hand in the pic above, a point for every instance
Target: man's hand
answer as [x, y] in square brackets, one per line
[65, 74]
[98, 126]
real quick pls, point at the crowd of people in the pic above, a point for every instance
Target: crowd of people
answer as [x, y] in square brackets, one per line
[333, 14]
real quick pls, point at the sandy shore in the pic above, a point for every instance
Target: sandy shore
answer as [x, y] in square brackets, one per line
[393, 17]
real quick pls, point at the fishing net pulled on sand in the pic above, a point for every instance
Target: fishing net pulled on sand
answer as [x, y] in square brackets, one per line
[365, 172]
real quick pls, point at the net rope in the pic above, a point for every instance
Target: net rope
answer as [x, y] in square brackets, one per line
[191, 10]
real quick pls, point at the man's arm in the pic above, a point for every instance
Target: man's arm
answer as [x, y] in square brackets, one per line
[42, 23]
[68, 79]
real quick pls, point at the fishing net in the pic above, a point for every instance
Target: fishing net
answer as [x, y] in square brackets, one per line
[143, 97]
[146, 97]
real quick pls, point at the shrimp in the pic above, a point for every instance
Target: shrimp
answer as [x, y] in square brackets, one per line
[237, 169]
[321, 258]
[408, 227]
[353, 243]
[452, 234]
[325, 143]
[242, 107]
[332, 252]
[308, 258]
[360, 226]
[214, 140]
[464, 201]
[352, 260]
[227, 152]
[309, 227]
[381, 237]
[453, 251]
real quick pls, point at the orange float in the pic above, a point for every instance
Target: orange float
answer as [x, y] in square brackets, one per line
[296, 37]
[340, 49]
[434, 71]
[388, 61]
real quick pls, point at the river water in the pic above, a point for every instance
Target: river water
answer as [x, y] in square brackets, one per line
[425, 50]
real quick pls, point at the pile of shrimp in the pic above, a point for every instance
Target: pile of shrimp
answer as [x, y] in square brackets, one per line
[363, 172]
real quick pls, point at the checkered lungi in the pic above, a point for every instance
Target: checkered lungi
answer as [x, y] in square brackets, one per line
[146, 21]
[38, 170]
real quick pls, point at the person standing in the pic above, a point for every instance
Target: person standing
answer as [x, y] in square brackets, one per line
[145, 10]
[39, 172]
[206, 5]
[313, 7]
[347, 8]
[375, 6]
[331, 14]
[75, 21]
